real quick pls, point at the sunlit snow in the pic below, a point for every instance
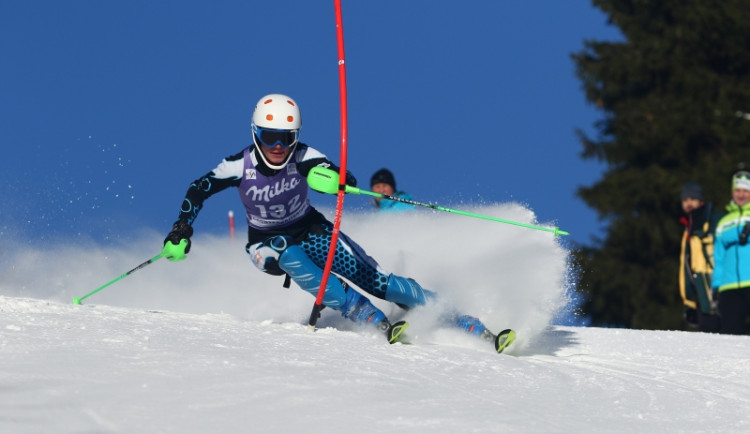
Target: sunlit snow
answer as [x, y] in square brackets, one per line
[210, 344]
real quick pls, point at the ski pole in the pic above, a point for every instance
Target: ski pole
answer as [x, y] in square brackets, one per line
[326, 181]
[77, 300]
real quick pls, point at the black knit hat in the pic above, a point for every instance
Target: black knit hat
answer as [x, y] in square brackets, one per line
[692, 190]
[385, 176]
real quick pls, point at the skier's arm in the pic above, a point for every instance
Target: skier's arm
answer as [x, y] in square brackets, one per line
[313, 158]
[227, 174]
[719, 251]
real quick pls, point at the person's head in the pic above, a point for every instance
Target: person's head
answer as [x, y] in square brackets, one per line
[741, 187]
[383, 182]
[691, 196]
[276, 124]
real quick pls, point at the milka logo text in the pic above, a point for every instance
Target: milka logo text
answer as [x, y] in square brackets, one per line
[268, 192]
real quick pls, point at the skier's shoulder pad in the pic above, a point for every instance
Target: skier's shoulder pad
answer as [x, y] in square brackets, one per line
[231, 167]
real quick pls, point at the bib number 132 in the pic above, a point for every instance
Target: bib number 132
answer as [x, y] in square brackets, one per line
[278, 211]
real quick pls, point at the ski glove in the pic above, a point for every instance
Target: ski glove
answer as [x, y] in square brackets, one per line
[177, 243]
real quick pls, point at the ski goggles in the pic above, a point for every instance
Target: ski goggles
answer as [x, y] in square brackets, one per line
[270, 137]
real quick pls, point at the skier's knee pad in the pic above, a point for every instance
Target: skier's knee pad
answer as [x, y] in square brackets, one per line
[294, 262]
[407, 292]
[265, 255]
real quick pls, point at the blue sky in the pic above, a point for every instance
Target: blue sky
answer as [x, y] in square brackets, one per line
[110, 109]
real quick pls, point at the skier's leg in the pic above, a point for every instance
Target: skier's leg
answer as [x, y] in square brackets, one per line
[278, 255]
[475, 327]
[350, 260]
[308, 276]
[337, 296]
[406, 292]
[359, 308]
[353, 263]
[467, 323]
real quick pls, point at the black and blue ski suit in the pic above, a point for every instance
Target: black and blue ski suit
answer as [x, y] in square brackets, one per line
[286, 235]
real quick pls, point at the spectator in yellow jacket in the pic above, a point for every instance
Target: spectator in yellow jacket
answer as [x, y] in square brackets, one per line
[697, 259]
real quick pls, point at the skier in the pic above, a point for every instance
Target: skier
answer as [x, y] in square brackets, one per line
[286, 235]
[384, 182]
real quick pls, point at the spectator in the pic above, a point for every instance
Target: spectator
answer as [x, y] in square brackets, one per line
[384, 182]
[732, 258]
[696, 259]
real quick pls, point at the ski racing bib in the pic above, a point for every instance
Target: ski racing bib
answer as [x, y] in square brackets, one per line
[273, 201]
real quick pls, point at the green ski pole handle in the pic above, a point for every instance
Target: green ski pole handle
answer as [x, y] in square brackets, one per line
[77, 300]
[327, 181]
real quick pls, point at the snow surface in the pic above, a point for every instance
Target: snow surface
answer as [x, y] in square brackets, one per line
[210, 344]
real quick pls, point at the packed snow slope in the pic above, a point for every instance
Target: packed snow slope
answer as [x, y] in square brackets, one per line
[212, 345]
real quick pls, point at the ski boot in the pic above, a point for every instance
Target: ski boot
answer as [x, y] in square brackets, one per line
[470, 325]
[474, 326]
[358, 308]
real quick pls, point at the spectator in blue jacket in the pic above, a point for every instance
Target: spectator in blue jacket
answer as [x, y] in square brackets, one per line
[732, 258]
[384, 182]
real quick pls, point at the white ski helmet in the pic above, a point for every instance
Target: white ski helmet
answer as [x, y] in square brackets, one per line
[278, 112]
[276, 120]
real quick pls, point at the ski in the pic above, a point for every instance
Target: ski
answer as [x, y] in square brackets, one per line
[501, 341]
[504, 339]
[394, 332]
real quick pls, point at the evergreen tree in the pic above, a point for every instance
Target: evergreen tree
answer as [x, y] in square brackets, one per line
[675, 99]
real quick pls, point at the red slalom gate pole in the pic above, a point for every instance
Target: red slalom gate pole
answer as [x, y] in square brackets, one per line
[231, 224]
[318, 306]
